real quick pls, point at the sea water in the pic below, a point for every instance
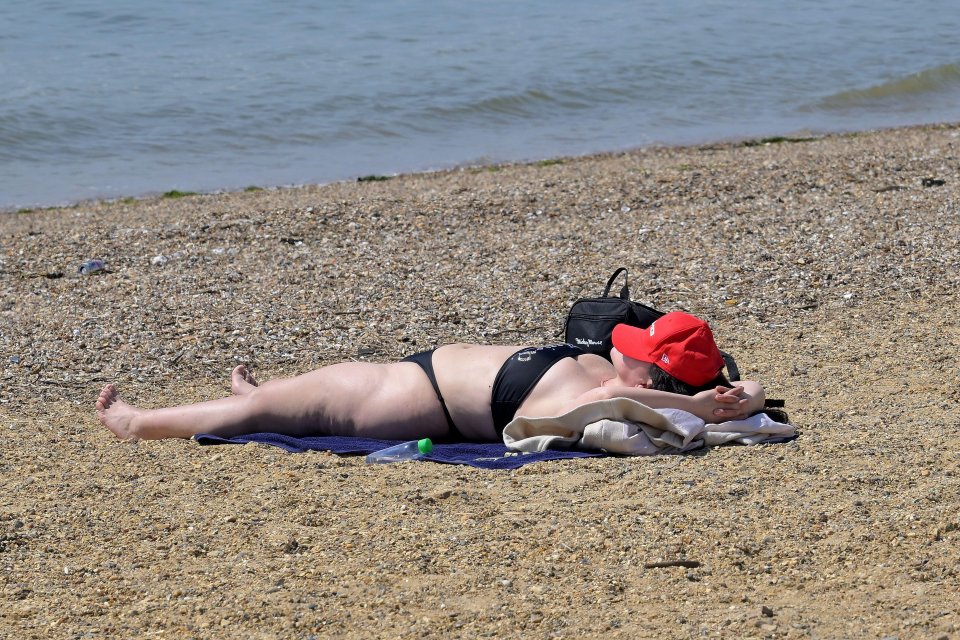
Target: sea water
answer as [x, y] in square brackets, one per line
[113, 98]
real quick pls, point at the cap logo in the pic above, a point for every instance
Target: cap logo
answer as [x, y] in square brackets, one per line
[665, 359]
[652, 328]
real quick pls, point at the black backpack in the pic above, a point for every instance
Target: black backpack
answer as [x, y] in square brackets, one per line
[590, 321]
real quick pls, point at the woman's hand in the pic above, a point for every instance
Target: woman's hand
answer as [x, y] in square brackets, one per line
[722, 404]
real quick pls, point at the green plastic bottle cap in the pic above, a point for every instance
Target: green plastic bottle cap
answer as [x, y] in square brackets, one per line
[425, 446]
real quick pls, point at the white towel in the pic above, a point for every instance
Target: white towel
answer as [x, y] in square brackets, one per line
[628, 427]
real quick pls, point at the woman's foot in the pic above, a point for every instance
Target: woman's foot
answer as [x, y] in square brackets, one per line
[242, 381]
[117, 415]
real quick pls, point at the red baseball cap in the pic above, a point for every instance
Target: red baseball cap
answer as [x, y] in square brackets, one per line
[679, 343]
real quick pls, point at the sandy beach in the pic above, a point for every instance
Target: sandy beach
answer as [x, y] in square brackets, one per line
[829, 267]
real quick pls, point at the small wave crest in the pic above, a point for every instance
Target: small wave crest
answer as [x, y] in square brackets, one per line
[509, 106]
[941, 80]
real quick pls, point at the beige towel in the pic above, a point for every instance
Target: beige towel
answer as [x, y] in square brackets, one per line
[625, 426]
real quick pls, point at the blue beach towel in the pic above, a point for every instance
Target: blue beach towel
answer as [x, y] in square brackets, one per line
[485, 455]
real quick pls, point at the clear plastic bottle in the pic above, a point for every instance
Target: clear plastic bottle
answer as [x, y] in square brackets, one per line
[91, 266]
[413, 450]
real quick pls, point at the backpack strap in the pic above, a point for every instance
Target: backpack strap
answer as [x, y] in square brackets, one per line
[625, 291]
[733, 371]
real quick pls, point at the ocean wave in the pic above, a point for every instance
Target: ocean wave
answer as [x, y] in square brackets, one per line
[507, 105]
[937, 81]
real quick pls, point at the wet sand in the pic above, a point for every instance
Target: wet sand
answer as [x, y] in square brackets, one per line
[828, 267]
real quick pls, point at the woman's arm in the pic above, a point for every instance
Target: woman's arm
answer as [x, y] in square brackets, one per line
[752, 392]
[714, 405]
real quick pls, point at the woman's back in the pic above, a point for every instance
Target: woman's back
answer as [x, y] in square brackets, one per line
[466, 375]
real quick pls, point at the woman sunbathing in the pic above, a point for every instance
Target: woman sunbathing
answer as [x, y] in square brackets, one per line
[461, 391]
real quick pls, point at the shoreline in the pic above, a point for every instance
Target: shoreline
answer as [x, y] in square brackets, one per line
[827, 268]
[802, 135]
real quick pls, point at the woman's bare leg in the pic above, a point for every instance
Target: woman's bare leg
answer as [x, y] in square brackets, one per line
[129, 422]
[363, 399]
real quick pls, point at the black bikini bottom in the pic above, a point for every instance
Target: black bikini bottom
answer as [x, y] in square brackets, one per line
[424, 360]
[519, 375]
